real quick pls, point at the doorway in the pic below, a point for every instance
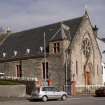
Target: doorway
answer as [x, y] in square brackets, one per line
[87, 74]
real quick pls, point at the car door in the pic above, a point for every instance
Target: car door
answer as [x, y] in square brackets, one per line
[49, 92]
[56, 92]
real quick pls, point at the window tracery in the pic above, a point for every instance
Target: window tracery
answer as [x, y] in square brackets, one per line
[86, 47]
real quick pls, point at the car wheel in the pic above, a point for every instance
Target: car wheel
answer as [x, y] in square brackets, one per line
[64, 97]
[44, 98]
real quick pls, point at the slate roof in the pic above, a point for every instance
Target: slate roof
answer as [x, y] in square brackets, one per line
[33, 39]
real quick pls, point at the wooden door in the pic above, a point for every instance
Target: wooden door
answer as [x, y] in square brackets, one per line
[88, 78]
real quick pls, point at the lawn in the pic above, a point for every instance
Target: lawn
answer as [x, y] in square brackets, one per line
[9, 82]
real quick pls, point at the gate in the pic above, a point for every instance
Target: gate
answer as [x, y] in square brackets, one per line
[87, 90]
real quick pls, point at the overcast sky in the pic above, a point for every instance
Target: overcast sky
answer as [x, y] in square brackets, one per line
[25, 14]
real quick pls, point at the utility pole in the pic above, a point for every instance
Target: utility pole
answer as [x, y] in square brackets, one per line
[45, 57]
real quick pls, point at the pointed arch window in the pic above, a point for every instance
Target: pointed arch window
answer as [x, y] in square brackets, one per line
[77, 68]
[86, 47]
[97, 70]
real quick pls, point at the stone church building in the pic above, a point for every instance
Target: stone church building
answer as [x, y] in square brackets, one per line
[65, 52]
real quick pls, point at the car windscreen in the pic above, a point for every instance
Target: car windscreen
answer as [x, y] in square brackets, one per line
[49, 89]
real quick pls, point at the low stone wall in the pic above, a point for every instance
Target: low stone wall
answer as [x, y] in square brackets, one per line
[12, 90]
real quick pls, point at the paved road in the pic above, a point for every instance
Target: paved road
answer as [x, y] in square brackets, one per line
[69, 101]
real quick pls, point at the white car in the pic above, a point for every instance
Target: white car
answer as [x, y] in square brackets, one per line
[46, 93]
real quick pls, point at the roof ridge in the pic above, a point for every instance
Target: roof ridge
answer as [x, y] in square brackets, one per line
[47, 25]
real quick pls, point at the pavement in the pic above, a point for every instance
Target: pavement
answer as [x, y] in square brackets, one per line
[14, 98]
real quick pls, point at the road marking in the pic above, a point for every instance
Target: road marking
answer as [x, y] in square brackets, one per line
[75, 98]
[99, 99]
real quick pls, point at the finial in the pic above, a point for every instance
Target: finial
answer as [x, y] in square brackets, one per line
[86, 10]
